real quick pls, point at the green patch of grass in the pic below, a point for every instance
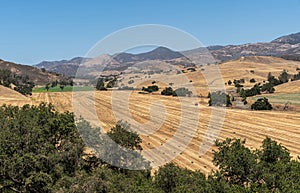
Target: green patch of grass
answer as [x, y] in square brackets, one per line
[293, 98]
[66, 89]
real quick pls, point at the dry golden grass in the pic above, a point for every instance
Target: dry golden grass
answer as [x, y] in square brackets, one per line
[9, 96]
[254, 126]
[290, 87]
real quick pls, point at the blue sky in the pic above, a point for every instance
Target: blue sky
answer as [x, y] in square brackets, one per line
[35, 30]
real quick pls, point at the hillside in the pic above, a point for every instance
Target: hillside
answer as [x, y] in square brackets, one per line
[38, 76]
[11, 97]
[290, 87]
[285, 45]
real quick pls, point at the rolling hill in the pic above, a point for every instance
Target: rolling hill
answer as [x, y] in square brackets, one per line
[38, 76]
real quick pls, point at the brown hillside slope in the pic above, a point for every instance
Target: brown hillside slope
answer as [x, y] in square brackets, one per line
[290, 87]
[11, 97]
[36, 75]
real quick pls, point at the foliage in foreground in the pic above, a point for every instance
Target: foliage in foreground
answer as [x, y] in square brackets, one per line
[41, 151]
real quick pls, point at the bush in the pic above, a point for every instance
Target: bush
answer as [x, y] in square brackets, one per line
[130, 81]
[255, 90]
[150, 88]
[191, 69]
[283, 77]
[268, 87]
[182, 92]
[100, 84]
[219, 99]
[112, 83]
[167, 91]
[252, 80]
[261, 104]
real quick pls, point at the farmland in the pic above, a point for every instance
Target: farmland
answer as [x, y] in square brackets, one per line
[283, 128]
[164, 114]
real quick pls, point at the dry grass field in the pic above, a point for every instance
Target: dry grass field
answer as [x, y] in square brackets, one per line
[253, 126]
[148, 110]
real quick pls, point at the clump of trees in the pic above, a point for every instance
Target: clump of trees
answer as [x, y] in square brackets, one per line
[255, 90]
[296, 77]
[168, 91]
[182, 92]
[150, 89]
[112, 83]
[61, 83]
[261, 104]
[219, 98]
[100, 84]
[21, 83]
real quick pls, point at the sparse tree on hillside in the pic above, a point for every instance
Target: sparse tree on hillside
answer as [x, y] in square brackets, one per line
[219, 98]
[252, 80]
[283, 77]
[47, 86]
[100, 84]
[261, 104]
[167, 91]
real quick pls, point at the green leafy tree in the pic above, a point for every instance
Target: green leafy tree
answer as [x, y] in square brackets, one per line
[100, 84]
[112, 83]
[234, 160]
[268, 87]
[62, 87]
[47, 86]
[38, 146]
[261, 104]
[182, 92]
[283, 77]
[167, 91]
[124, 136]
[252, 80]
[150, 89]
[219, 98]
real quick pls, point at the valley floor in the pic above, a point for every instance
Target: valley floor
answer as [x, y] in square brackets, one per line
[254, 126]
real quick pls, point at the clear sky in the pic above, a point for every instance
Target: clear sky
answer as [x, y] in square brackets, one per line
[36, 30]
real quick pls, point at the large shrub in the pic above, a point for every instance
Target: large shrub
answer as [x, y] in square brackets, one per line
[261, 104]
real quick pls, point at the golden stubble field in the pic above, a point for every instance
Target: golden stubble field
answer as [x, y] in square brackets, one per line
[157, 117]
[250, 125]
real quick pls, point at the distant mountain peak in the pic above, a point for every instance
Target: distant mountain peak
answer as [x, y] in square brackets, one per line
[288, 39]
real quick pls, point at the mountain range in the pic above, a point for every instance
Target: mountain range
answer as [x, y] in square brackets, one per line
[285, 46]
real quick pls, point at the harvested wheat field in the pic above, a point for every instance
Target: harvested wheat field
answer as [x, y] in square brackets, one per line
[250, 125]
[183, 129]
